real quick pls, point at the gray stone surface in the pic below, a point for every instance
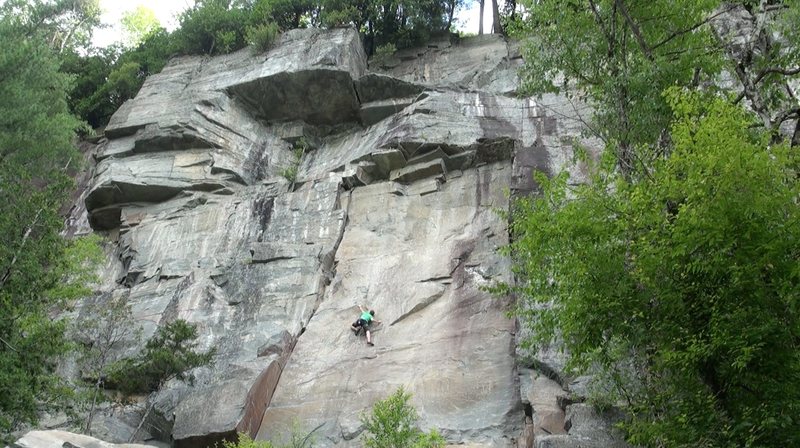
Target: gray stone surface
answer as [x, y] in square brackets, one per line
[419, 261]
[61, 439]
[586, 429]
[394, 207]
[475, 63]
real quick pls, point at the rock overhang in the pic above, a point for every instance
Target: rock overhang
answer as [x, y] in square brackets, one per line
[315, 96]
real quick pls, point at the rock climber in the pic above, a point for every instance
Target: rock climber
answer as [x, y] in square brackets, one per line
[364, 321]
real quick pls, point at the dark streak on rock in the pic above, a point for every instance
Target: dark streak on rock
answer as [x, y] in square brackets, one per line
[262, 209]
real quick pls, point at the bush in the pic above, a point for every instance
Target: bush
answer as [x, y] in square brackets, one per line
[297, 439]
[245, 441]
[298, 150]
[262, 37]
[383, 54]
[393, 424]
[169, 354]
[212, 27]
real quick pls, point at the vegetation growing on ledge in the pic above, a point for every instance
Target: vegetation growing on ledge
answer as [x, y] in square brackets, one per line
[299, 149]
[170, 354]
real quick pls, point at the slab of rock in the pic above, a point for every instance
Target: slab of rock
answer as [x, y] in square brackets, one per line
[544, 396]
[64, 439]
[467, 128]
[211, 265]
[420, 262]
[485, 63]
[586, 428]
[376, 87]
[198, 126]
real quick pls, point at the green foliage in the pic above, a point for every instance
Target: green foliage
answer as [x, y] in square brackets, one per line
[212, 27]
[107, 78]
[383, 54]
[138, 24]
[102, 332]
[340, 14]
[297, 439]
[621, 58]
[681, 287]
[245, 441]
[90, 73]
[170, 354]
[300, 147]
[262, 36]
[404, 24]
[64, 25]
[39, 270]
[393, 424]
[286, 14]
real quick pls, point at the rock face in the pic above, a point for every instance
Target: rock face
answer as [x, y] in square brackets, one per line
[393, 205]
[60, 439]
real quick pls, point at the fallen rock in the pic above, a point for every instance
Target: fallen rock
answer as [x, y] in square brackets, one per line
[64, 439]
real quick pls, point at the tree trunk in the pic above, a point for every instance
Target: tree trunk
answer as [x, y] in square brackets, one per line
[141, 422]
[511, 8]
[90, 417]
[497, 27]
[450, 13]
[25, 237]
[480, 22]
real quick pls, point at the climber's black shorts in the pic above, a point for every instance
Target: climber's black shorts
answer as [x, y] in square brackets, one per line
[361, 323]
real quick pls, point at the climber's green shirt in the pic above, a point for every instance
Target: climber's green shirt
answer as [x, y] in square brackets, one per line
[366, 317]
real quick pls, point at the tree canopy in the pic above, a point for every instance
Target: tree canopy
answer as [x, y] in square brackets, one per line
[138, 24]
[672, 273]
[621, 56]
[39, 270]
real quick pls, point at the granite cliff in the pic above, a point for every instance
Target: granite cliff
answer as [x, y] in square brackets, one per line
[393, 205]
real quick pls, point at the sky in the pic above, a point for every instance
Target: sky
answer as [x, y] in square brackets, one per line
[167, 10]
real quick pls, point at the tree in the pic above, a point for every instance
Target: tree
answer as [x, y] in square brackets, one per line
[497, 27]
[102, 333]
[213, 27]
[620, 55]
[138, 24]
[393, 424]
[680, 288]
[287, 14]
[39, 270]
[404, 24]
[90, 72]
[170, 354]
[765, 63]
[63, 24]
[107, 78]
[480, 21]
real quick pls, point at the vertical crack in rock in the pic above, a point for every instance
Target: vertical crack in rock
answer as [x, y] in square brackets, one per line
[268, 380]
